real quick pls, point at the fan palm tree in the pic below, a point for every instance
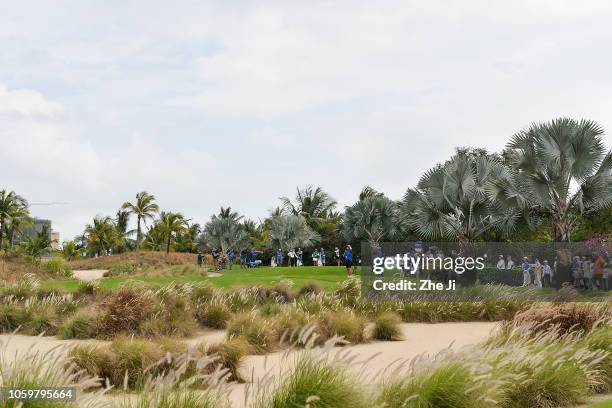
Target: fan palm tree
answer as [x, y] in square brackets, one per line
[143, 208]
[450, 201]
[292, 231]
[312, 203]
[224, 233]
[9, 203]
[372, 219]
[171, 224]
[559, 170]
[228, 213]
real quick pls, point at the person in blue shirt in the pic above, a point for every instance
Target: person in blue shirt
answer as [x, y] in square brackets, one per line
[279, 257]
[526, 275]
[348, 259]
[231, 256]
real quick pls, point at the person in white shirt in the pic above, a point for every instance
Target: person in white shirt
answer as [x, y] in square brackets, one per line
[537, 274]
[292, 257]
[509, 263]
[501, 264]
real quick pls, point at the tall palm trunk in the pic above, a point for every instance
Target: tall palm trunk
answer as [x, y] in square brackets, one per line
[168, 243]
[138, 234]
[1, 231]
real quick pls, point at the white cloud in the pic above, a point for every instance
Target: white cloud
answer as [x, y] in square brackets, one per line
[25, 102]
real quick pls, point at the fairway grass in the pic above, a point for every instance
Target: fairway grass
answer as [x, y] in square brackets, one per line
[327, 276]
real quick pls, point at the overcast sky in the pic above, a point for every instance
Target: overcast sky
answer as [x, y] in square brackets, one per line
[209, 104]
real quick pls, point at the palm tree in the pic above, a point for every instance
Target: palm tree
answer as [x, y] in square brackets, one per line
[19, 218]
[560, 170]
[292, 231]
[450, 201]
[101, 235]
[224, 233]
[228, 213]
[372, 219]
[9, 203]
[122, 219]
[70, 250]
[171, 224]
[368, 191]
[312, 203]
[144, 208]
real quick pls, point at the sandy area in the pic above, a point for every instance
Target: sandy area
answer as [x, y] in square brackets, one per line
[89, 274]
[419, 338]
[213, 274]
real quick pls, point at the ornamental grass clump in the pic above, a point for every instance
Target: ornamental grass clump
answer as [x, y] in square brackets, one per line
[213, 313]
[228, 355]
[387, 327]
[315, 382]
[257, 331]
[343, 323]
[81, 325]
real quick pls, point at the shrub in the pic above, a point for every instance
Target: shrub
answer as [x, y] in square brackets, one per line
[26, 287]
[349, 290]
[88, 288]
[449, 386]
[310, 288]
[33, 369]
[281, 292]
[565, 317]
[39, 318]
[203, 292]
[121, 269]
[344, 324]
[387, 327]
[289, 323]
[316, 383]
[80, 326]
[11, 317]
[214, 314]
[258, 332]
[230, 355]
[57, 266]
[171, 316]
[270, 309]
[123, 312]
[124, 363]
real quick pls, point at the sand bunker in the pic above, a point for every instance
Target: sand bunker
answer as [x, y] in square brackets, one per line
[89, 274]
[419, 338]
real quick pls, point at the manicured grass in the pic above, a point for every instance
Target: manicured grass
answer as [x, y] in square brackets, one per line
[602, 404]
[327, 276]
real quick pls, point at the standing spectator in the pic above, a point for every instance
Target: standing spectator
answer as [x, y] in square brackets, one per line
[315, 257]
[231, 256]
[576, 266]
[501, 264]
[200, 259]
[322, 257]
[291, 256]
[537, 274]
[606, 277]
[598, 270]
[587, 273]
[280, 256]
[548, 274]
[215, 257]
[243, 258]
[300, 257]
[337, 258]
[509, 263]
[526, 275]
[348, 259]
